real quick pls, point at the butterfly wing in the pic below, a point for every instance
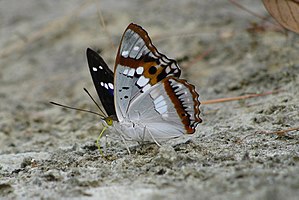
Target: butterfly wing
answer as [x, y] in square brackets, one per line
[139, 66]
[102, 78]
[172, 105]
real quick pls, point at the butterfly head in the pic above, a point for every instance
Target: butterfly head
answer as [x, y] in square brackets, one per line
[108, 121]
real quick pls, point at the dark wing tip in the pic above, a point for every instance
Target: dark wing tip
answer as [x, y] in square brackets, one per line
[94, 59]
[90, 52]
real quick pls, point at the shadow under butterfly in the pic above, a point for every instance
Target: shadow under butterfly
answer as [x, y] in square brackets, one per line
[144, 98]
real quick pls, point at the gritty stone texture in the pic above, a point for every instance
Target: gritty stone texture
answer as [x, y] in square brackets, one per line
[47, 152]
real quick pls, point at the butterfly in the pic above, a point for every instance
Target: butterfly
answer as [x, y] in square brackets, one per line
[144, 98]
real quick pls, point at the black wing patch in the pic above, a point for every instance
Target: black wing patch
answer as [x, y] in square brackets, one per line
[102, 78]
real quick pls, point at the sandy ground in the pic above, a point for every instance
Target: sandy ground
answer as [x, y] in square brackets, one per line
[47, 152]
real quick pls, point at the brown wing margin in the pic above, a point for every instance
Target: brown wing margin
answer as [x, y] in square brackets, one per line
[156, 65]
[185, 100]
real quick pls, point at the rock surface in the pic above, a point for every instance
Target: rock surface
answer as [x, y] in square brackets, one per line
[48, 152]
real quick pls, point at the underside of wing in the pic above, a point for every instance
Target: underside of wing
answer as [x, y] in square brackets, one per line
[169, 109]
[138, 67]
[103, 79]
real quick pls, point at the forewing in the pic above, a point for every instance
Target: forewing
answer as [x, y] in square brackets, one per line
[102, 78]
[138, 67]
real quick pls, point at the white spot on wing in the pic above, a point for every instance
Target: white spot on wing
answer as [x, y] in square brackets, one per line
[167, 70]
[102, 84]
[139, 70]
[138, 55]
[136, 48]
[151, 54]
[94, 69]
[173, 66]
[131, 72]
[164, 59]
[142, 81]
[106, 86]
[125, 72]
[125, 53]
[100, 67]
[142, 51]
[110, 86]
[179, 88]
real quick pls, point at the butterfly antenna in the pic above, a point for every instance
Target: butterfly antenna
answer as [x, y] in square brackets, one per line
[88, 111]
[93, 100]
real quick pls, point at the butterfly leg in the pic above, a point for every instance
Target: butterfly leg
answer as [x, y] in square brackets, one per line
[158, 144]
[124, 141]
[98, 141]
[117, 139]
[141, 141]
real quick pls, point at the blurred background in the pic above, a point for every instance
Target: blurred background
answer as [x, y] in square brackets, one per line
[223, 50]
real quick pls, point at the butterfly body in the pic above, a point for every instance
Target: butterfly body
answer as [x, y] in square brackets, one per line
[145, 94]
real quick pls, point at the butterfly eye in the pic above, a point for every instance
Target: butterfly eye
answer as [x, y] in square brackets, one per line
[109, 121]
